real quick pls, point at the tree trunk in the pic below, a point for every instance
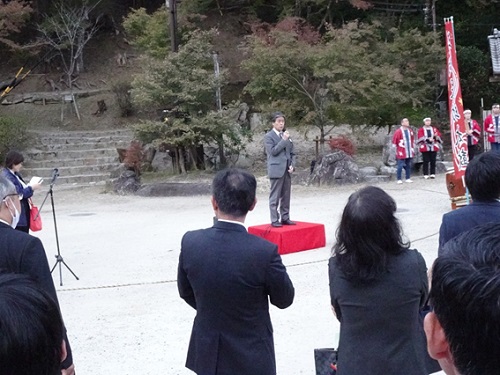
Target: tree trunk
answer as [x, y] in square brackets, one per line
[322, 140]
[192, 154]
[182, 160]
[222, 156]
[79, 56]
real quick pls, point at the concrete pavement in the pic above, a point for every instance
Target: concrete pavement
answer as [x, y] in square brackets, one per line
[124, 315]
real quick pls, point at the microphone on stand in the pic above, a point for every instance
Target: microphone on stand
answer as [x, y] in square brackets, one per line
[55, 174]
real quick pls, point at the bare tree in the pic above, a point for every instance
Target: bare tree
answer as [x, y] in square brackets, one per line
[68, 30]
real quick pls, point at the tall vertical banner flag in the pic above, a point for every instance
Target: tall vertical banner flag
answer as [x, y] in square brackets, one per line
[455, 103]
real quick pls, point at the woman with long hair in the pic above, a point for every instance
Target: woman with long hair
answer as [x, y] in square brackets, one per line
[13, 164]
[377, 286]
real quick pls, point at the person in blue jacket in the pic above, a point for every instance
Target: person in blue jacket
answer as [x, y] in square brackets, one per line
[13, 164]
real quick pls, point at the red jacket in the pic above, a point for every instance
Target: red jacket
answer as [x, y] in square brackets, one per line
[426, 146]
[489, 127]
[476, 131]
[402, 151]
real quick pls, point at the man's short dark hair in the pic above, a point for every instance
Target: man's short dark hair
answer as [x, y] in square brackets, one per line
[234, 191]
[276, 115]
[12, 158]
[31, 328]
[465, 294]
[482, 177]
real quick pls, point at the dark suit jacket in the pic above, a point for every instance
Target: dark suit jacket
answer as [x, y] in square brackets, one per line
[24, 254]
[229, 276]
[465, 218]
[380, 329]
[280, 154]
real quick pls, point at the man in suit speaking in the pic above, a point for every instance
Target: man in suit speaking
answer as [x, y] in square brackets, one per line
[229, 277]
[280, 164]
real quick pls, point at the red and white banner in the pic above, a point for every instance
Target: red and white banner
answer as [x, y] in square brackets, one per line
[455, 103]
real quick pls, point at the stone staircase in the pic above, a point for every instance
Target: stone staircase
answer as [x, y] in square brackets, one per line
[81, 157]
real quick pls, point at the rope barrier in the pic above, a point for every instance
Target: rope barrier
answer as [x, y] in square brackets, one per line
[174, 281]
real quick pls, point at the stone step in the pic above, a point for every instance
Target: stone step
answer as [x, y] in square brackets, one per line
[61, 138]
[84, 133]
[91, 160]
[46, 173]
[81, 157]
[56, 155]
[83, 145]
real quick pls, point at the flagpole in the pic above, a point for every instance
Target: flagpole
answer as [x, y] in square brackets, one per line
[467, 197]
[455, 105]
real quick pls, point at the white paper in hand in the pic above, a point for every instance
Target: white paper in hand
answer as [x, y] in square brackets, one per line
[35, 180]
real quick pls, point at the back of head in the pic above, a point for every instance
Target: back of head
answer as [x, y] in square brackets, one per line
[465, 294]
[31, 328]
[368, 233]
[482, 177]
[12, 158]
[234, 191]
[6, 187]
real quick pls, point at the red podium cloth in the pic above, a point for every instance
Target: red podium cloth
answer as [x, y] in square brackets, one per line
[292, 238]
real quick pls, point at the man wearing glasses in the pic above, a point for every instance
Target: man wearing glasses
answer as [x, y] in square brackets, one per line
[492, 127]
[24, 254]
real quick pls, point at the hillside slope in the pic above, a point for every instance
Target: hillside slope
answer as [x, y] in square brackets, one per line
[102, 73]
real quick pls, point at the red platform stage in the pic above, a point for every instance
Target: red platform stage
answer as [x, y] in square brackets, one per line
[292, 238]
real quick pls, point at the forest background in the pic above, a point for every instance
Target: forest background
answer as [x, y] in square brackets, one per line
[325, 63]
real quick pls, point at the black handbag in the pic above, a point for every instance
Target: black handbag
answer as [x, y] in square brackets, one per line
[325, 360]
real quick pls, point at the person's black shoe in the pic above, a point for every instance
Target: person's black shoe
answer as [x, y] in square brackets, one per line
[276, 224]
[288, 222]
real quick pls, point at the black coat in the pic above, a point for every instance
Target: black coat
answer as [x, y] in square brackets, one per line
[229, 277]
[24, 254]
[380, 329]
[465, 218]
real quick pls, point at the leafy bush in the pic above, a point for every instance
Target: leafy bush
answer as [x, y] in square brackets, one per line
[342, 143]
[123, 98]
[147, 31]
[13, 135]
[151, 131]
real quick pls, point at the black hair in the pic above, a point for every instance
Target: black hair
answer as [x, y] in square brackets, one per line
[482, 177]
[31, 328]
[12, 158]
[276, 115]
[234, 191]
[465, 295]
[368, 234]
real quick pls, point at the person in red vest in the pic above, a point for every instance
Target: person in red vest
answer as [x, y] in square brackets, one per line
[492, 127]
[428, 141]
[404, 141]
[473, 133]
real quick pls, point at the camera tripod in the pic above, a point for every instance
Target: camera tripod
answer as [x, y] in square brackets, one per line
[59, 259]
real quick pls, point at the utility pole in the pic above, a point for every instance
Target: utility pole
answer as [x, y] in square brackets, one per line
[172, 7]
[430, 7]
[434, 16]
